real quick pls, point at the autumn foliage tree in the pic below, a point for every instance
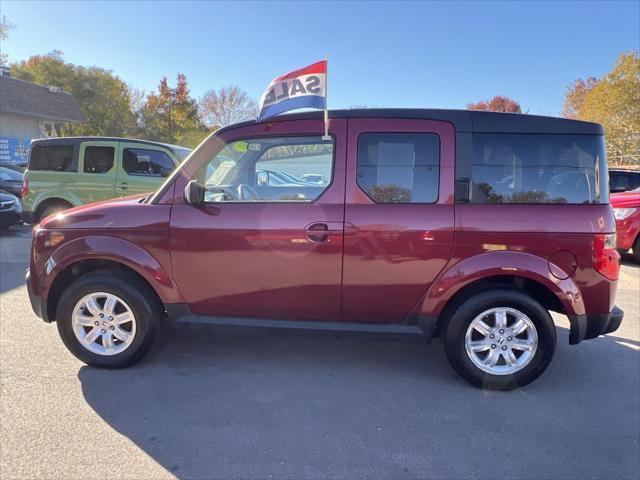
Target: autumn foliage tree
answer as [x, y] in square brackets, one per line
[498, 103]
[103, 97]
[171, 115]
[613, 101]
[226, 106]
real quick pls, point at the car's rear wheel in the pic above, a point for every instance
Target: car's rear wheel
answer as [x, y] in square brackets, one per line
[108, 319]
[500, 339]
[52, 208]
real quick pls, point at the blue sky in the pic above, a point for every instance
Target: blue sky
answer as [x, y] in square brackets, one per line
[405, 54]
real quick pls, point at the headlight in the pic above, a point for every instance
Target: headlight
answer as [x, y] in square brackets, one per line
[622, 213]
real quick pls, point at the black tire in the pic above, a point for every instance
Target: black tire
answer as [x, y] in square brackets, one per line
[456, 328]
[636, 249]
[136, 293]
[52, 208]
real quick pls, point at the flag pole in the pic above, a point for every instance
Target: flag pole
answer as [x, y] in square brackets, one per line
[326, 99]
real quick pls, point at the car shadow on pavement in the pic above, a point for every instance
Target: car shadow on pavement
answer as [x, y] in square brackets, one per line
[219, 402]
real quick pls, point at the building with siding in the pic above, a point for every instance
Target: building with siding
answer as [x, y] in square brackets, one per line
[29, 111]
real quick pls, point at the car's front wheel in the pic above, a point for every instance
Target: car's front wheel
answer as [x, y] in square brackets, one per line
[500, 339]
[636, 249]
[108, 319]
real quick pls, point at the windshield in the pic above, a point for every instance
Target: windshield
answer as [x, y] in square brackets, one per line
[10, 175]
[182, 153]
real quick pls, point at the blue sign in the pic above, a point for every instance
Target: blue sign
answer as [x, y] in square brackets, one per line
[14, 150]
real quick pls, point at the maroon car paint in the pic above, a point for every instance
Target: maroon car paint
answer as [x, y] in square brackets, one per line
[126, 231]
[380, 264]
[400, 248]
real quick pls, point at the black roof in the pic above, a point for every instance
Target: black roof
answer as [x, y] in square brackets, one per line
[463, 120]
[26, 98]
[77, 140]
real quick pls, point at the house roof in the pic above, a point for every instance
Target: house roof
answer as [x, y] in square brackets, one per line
[48, 103]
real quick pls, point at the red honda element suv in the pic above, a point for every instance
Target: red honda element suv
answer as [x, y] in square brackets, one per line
[468, 226]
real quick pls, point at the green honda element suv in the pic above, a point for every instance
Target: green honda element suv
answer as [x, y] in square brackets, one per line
[70, 171]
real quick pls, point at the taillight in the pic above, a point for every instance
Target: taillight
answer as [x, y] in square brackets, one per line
[25, 188]
[606, 258]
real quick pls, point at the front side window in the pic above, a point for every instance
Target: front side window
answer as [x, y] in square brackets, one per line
[399, 167]
[275, 169]
[56, 158]
[537, 168]
[150, 163]
[98, 159]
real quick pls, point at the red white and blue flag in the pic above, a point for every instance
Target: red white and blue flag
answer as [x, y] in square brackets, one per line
[303, 88]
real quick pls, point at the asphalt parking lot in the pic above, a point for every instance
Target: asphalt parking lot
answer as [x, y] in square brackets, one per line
[236, 403]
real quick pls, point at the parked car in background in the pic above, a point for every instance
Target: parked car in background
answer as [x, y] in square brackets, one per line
[626, 209]
[11, 180]
[10, 210]
[623, 180]
[432, 222]
[70, 171]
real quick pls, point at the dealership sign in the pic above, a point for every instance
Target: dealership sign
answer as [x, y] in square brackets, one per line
[14, 150]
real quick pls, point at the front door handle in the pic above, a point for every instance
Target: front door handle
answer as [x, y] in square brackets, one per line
[318, 232]
[321, 231]
[124, 185]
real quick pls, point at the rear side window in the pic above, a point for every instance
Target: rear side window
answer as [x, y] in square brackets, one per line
[98, 159]
[399, 167]
[56, 158]
[623, 181]
[532, 168]
[140, 161]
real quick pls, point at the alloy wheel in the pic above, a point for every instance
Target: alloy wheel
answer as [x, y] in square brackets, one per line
[501, 341]
[103, 323]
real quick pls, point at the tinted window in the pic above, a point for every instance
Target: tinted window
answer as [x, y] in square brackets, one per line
[269, 170]
[529, 168]
[140, 161]
[98, 159]
[623, 181]
[58, 158]
[399, 167]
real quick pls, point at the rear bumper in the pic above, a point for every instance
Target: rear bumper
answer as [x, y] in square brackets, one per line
[585, 327]
[39, 307]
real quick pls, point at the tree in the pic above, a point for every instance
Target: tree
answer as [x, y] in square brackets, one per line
[613, 101]
[498, 103]
[576, 93]
[226, 106]
[171, 115]
[103, 97]
[5, 27]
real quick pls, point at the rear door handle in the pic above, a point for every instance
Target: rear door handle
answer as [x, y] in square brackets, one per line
[124, 185]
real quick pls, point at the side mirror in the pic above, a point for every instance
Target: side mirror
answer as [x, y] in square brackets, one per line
[194, 193]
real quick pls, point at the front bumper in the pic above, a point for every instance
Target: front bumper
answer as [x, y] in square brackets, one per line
[8, 218]
[37, 304]
[28, 217]
[585, 327]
